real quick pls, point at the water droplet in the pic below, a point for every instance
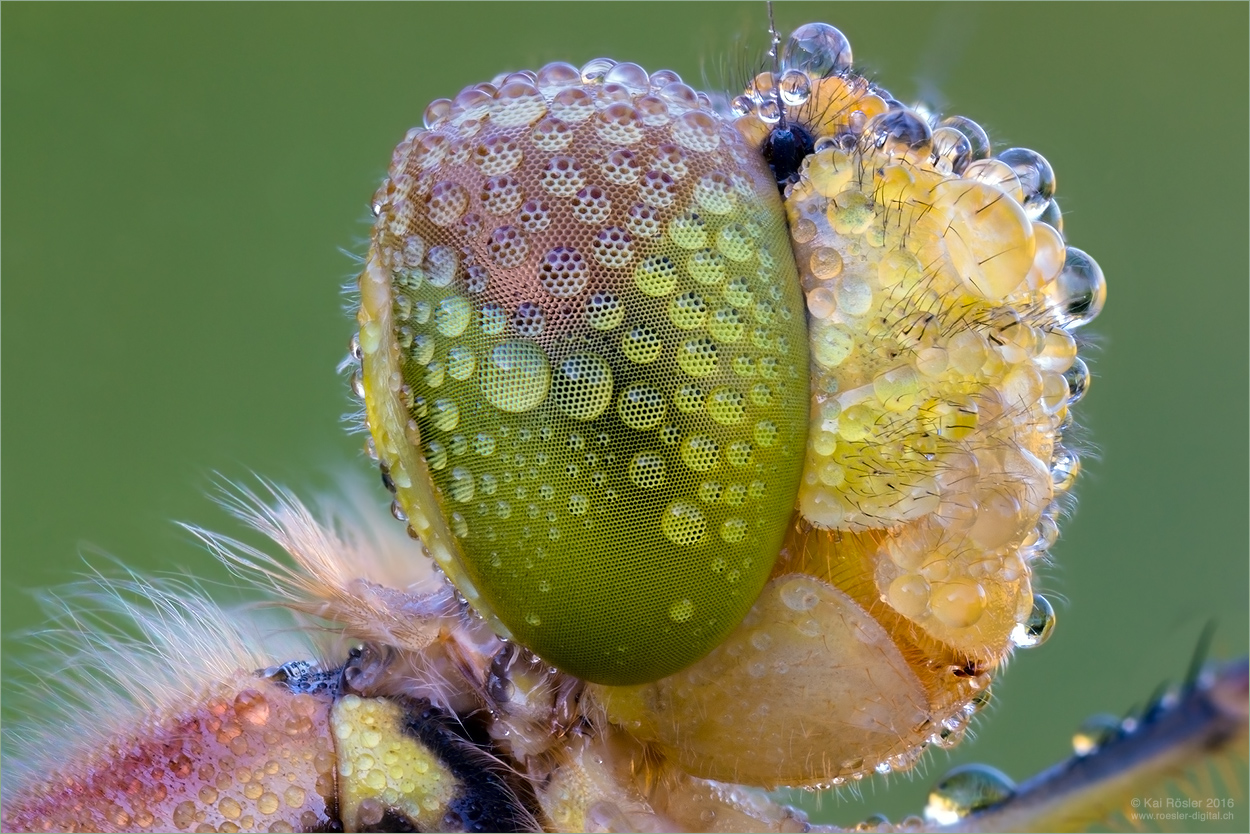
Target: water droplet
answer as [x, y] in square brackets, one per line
[700, 453]
[742, 105]
[435, 455]
[517, 377]
[460, 363]
[533, 619]
[641, 407]
[706, 267]
[452, 316]
[578, 504]
[799, 594]
[656, 276]
[1036, 176]
[484, 444]
[681, 611]
[493, 319]
[646, 470]
[796, 87]
[688, 231]
[710, 492]
[687, 311]
[908, 594]
[825, 264]
[1078, 294]
[854, 296]
[768, 111]
[630, 76]
[688, 399]
[1035, 630]
[641, 344]
[965, 790]
[529, 319]
[582, 386]
[445, 415]
[1094, 732]
[734, 241]
[462, 486]
[683, 523]
[697, 357]
[1052, 216]
[817, 49]
[1064, 467]
[978, 139]
[662, 78]
[740, 454]
[726, 325]
[604, 311]
[900, 131]
[732, 530]
[726, 406]
[595, 69]
[951, 151]
[957, 604]
[1077, 378]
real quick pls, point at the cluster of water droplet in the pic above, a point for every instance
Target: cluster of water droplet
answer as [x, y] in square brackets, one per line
[942, 301]
[965, 790]
[600, 344]
[940, 308]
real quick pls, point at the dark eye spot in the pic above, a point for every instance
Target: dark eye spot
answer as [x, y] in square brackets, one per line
[784, 150]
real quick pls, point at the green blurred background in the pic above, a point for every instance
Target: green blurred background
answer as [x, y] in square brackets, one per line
[180, 182]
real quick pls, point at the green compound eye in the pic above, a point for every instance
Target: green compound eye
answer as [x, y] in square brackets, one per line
[585, 365]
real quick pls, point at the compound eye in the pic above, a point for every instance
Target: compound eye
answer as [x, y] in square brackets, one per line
[585, 363]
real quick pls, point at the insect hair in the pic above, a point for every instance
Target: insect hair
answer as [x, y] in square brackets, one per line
[122, 654]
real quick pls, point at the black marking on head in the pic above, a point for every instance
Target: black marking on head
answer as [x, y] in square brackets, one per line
[393, 820]
[490, 797]
[784, 150]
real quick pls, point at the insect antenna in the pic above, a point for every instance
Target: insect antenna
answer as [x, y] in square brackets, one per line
[774, 41]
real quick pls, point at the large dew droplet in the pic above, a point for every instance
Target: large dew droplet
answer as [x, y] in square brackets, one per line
[817, 49]
[700, 453]
[796, 87]
[460, 362]
[683, 524]
[965, 790]
[582, 386]
[1078, 294]
[1094, 732]
[452, 316]
[517, 377]
[642, 407]
[646, 470]
[1037, 628]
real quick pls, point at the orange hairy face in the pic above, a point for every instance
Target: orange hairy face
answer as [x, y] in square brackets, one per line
[939, 307]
